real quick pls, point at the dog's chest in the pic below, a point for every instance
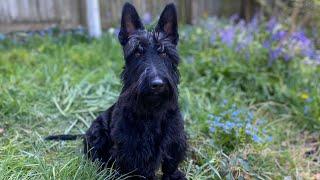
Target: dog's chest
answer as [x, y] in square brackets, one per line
[139, 140]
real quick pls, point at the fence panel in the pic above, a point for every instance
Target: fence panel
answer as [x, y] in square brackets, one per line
[16, 15]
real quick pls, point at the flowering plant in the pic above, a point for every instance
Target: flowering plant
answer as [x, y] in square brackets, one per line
[235, 126]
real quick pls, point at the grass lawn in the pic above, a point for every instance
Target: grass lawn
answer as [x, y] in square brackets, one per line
[245, 118]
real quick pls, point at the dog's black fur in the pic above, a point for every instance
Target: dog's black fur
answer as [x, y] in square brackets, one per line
[144, 128]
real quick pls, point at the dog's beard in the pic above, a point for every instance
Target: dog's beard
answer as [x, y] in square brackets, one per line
[144, 99]
[140, 95]
[149, 99]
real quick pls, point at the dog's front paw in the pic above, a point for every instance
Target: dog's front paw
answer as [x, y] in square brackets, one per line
[177, 175]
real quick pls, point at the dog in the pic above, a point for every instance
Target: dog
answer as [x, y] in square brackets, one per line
[144, 129]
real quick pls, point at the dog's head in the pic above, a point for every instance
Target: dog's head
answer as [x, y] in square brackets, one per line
[151, 57]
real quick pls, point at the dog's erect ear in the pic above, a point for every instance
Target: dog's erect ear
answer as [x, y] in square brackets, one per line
[130, 22]
[168, 23]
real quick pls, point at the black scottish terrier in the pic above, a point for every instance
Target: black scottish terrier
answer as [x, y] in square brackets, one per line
[144, 128]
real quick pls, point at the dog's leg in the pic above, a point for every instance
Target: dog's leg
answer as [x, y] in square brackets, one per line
[97, 141]
[175, 154]
[175, 150]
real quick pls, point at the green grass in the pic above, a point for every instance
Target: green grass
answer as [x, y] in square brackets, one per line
[59, 85]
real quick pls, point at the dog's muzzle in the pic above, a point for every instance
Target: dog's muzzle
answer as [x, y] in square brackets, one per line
[157, 85]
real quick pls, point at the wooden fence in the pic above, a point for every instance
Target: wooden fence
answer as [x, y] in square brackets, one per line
[25, 15]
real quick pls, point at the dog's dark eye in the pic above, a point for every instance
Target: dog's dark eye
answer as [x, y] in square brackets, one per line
[137, 54]
[163, 54]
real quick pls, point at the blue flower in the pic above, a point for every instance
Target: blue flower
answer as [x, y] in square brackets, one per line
[212, 129]
[309, 100]
[306, 109]
[235, 113]
[230, 125]
[227, 36]
[217, 119]
[225, 102]
[256, 138]
[2, 37]
[79, 30]
[237, 124]
[248, 132]
[249, 126]
[250, 116]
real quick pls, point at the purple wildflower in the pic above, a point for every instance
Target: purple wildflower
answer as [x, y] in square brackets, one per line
[80, 30]
[240, 46]
[244, 43]
[278, 35]
[315, 32]
[116, 31]
[147, 18]
[248, 39]
[225, 102]
[213, 38]
[317, 58]
[227, 36]
[234, 18]
[247, 55]
[287, 57]
[254, 24]
[274, 54]
[301, 37]
[241, 25]
[309, 52]
[272, 23]
[266, 44]
[42, 33]
[304, 44]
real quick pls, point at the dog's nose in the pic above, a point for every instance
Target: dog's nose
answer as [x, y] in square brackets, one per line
[157, 84]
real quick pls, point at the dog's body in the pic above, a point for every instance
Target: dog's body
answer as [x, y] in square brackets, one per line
[144, 128]
[118, 136]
